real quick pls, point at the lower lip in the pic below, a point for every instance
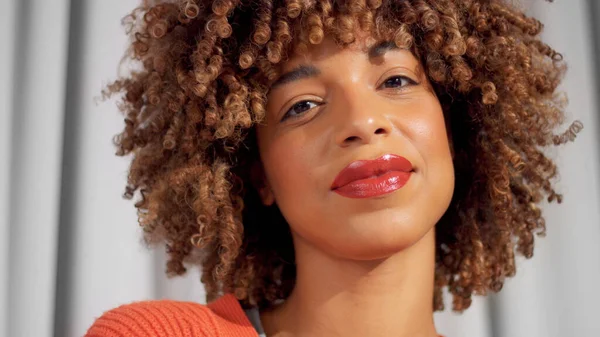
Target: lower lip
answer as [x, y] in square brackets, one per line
[373, 187]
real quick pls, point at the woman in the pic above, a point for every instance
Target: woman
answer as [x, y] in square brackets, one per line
[333, 165]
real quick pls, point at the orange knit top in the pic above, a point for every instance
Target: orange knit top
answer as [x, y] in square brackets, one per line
[164, 318]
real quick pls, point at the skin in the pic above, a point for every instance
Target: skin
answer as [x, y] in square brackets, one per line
[365, 267]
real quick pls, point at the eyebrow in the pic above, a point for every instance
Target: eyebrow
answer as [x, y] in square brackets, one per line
[299, 73]
[307, 71]
[381, 48]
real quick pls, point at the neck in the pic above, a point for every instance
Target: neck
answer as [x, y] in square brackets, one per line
[338, 297]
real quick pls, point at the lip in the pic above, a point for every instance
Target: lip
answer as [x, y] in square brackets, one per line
[371, 178]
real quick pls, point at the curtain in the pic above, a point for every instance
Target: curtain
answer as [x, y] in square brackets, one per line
[69, 244]
[33, 56]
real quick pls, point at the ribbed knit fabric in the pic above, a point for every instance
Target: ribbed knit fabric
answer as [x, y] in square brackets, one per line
[164, 318]
[221, 318]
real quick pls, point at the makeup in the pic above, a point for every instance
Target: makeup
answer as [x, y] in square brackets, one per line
[371, 178]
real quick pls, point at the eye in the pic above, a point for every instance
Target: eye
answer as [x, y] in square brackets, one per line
[299, 108]
[396, 82]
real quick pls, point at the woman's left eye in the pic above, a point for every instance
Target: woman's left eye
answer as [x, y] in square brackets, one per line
[397, 82]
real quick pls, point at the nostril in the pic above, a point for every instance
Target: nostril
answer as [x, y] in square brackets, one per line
[379, 131]
[351, 139]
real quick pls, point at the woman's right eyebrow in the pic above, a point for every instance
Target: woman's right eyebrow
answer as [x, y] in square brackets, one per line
[296, 74]
[304, 71]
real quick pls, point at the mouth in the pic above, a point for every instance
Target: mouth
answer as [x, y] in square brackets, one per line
[371, 178]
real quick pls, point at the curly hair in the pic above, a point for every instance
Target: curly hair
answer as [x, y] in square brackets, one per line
[202, 72]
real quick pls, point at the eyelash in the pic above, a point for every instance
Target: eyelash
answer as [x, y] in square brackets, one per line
[409, 82]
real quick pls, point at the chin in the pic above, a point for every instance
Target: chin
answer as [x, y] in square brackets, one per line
[379, 243]
[372, 253]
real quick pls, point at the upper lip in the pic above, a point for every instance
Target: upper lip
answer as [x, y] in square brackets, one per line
[362, 169]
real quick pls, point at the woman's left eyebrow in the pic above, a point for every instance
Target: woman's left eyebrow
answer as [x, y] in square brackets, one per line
[381, 48]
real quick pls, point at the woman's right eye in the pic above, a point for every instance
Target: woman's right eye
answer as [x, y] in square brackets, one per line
[298, 109]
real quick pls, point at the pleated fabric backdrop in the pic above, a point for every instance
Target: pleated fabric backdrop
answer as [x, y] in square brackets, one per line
[70, 247]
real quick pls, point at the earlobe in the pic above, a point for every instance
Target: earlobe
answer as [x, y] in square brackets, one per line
[266, 195]
[261, 184]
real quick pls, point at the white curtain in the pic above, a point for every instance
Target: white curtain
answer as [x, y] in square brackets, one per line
[33, 54]
[70, 247]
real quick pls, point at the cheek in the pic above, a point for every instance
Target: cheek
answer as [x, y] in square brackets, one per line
[289, 164]
[433, 144]
[428, 134]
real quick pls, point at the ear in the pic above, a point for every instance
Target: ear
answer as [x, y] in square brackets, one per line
[451, 143]
[449, 135]
[261, 184]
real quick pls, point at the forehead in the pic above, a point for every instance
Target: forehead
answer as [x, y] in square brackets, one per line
[364, 43]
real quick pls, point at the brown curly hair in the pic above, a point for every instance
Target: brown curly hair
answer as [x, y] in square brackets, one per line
[202, 71]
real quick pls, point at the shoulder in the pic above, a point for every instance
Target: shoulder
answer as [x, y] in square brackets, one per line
[162, 318]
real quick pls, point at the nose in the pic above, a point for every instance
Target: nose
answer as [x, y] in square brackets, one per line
[361, 121]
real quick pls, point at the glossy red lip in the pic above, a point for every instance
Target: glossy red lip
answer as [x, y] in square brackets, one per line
[370, 178]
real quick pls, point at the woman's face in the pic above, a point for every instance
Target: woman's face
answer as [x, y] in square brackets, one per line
[355, 150]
